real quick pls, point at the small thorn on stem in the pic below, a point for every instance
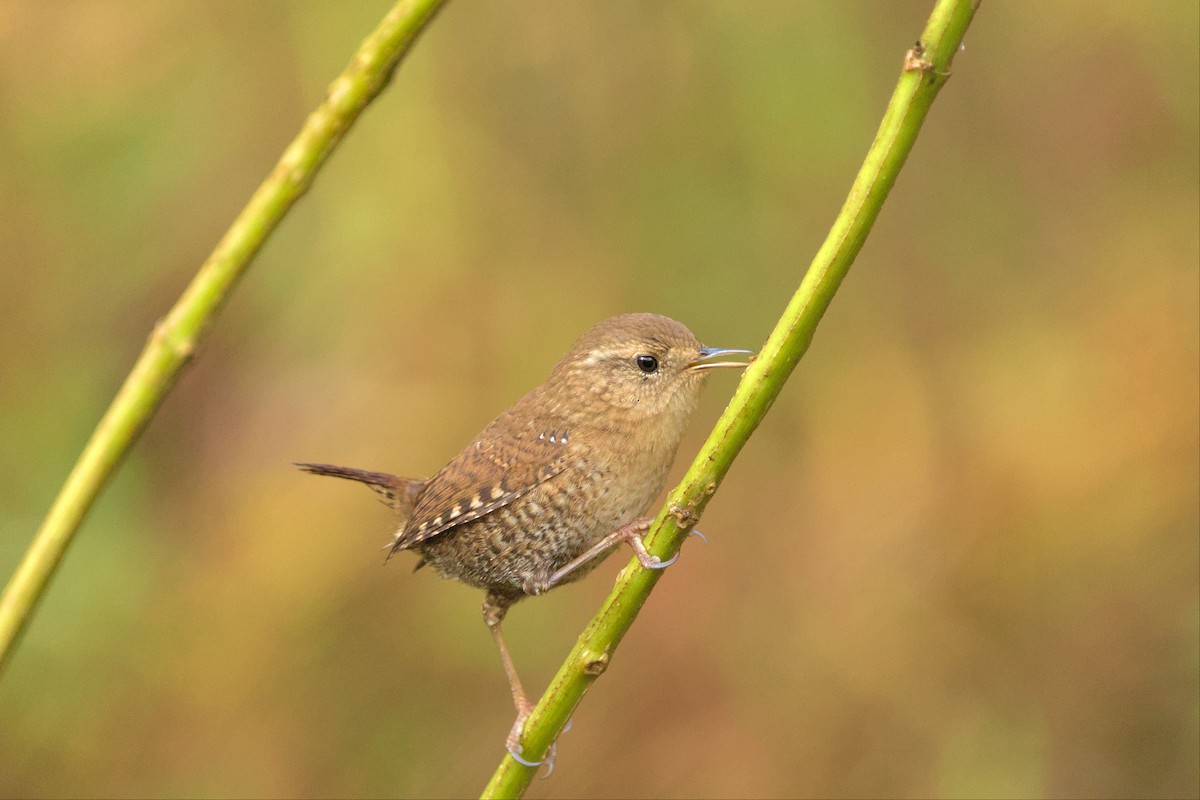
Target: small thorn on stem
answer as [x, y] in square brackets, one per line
[915, 61]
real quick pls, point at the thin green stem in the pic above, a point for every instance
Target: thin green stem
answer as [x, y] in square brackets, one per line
[175, 336]
[925, 70]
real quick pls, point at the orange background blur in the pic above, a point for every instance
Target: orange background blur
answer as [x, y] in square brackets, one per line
[960, 557]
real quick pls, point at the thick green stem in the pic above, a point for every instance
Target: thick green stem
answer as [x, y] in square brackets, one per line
[175, 336]
[925, 69]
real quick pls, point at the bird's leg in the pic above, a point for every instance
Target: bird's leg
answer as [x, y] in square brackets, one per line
[495, 606]
[626, 533]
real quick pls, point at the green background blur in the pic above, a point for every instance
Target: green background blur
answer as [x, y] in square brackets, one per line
[959, 558]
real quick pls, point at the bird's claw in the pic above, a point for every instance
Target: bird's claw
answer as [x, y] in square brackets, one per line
[654, 562]
[517, 758]
[513, 742]
[513, 745]
[649, 561]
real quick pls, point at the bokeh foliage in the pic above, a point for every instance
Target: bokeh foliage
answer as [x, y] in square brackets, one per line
[959, 558]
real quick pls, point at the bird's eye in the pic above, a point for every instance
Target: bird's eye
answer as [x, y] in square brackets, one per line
[647, 364]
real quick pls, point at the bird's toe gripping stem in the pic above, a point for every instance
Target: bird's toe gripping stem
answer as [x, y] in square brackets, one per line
[513, 744]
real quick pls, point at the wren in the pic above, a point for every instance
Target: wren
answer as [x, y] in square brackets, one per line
[555, 483]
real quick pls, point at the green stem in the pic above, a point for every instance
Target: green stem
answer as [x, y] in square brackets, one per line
[175, 336]
[925, 70]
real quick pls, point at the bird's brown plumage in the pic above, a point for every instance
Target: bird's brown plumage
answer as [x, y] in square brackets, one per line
[547, 481]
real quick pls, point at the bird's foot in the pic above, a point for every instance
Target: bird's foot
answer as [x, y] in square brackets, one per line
[654, 562]
[513, 744]
[631, 533]
[627, 533]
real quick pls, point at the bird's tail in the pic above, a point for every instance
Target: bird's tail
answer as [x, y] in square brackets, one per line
[400, 494]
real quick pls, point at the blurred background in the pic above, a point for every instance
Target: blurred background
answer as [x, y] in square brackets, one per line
[959, 558]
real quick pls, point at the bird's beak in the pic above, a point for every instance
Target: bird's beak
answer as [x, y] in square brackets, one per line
[707, 353]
